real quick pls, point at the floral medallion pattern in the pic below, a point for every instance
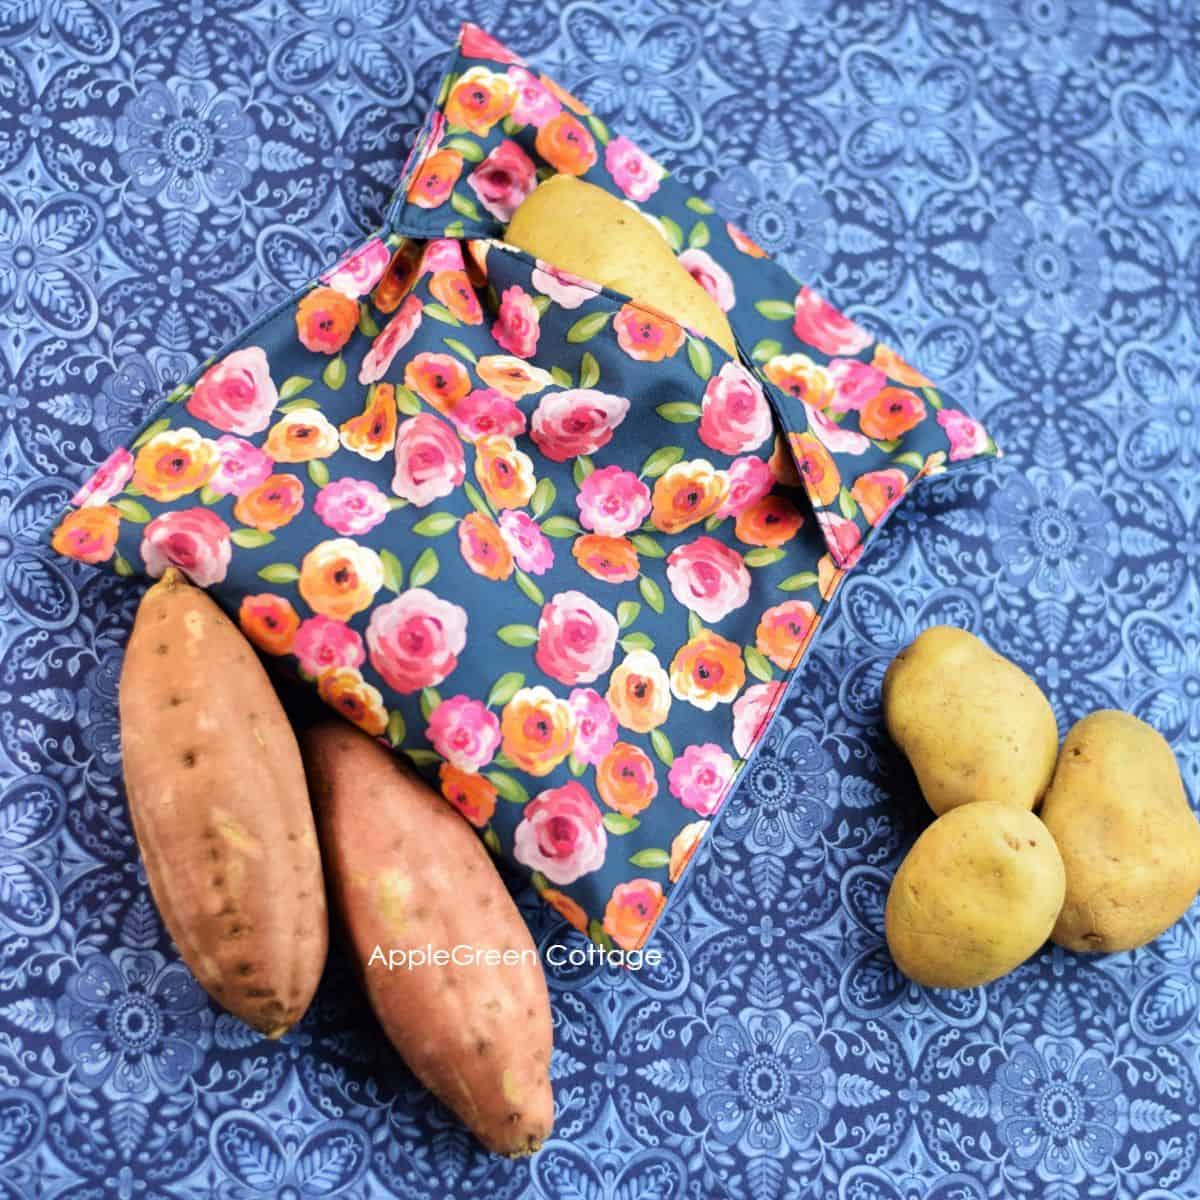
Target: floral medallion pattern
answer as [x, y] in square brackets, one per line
[1001, 191]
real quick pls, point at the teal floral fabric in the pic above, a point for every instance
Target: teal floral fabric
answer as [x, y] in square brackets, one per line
[562, 552]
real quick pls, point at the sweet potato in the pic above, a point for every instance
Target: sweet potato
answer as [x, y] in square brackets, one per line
[407, 873]
[220, 808]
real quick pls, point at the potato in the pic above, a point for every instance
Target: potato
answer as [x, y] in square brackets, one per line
[977, 894]
[407, 872]
[585, 230]
[973, 725]
[1128, 836]
[220, 808]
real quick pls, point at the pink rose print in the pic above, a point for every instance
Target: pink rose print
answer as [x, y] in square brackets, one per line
[414, 641]
[536, 104]
[442, 254]
[750, 479]
[390, 340]
[561, 834]
[577, 421]
[477, 43]
[503, 180]
[465, 732]
[967, 437]
[530, 547]
[351, 506]
[516, 329]
[236, 394]
[576, 638]
[613, 502]
[429, 460]
[833, 436]
[241, 467]
[195, 540]
[821, 325]
[323, 644]
[699, 777]
[108, 479]
[709, 578]
[485, 412]
[565, 289]
[735, 414]
[843, 537]
[711, 276]
[360, 270]
[751, 712]
[855, 383]
[633, 171]
[595, 725]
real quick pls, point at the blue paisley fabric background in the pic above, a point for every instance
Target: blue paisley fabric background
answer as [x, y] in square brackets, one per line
[1008, 191]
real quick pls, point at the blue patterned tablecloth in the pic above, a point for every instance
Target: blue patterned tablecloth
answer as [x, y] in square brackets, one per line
[1006, 190]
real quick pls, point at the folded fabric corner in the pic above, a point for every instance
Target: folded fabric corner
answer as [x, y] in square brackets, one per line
[863, 425]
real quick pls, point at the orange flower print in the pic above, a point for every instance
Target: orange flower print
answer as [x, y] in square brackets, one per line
[877, 491]
[373, 432]
[707, 670]
[325, 319]
[504, 472]
[631, 911]
[817, 467]
[345, 689]
[472, 794]
[270, 622]
[454, 290]
[88, 534]
[639, 692]
[435, 179]
[626, 779]
[339, 578]
[744, 242]
[687, 493]
[784, 631]
[479, 99]
[173, 463]
[890, 413]
[828, 576]
[783, 465]
[894, 367]
[512, 376]
[683, 846]
[645, 334]
[772, 521]
[799, 376]
[536, 730]
[399, 277]
[272, 504]
[609, 559]
[564, 97]
[300, 436]
[566, 145]
[566, 907]
[483, 547]
[439, 379]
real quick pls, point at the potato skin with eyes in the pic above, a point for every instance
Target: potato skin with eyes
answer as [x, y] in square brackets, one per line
[1129, 839]
[977, 894]
[973, 725]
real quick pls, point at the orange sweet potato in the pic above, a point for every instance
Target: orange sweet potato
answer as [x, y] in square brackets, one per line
[408, 875]
[220, 808]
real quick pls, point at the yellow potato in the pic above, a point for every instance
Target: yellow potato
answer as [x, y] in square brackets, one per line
[1128, 836]
[973, 725]
[977, 895]
[582, 229]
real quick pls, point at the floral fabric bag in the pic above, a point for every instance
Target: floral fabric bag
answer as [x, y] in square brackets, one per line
[562, 552]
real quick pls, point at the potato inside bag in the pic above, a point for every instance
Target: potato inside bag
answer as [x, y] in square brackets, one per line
[562, 546]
